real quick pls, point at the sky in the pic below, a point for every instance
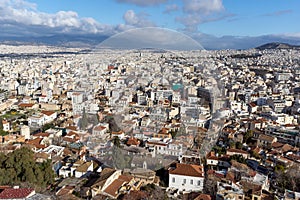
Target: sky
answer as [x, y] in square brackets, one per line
[213, 18]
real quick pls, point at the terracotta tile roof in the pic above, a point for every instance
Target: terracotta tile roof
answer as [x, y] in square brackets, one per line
[73, 128]
[117, 133]
[26, 105]
[188, 170]
[99, 128]
[211, 155]
[69, 140]
[265, 138]
[277, 145]
[203, 197]
[20, 193]
[48, 113]
[113, 188]
[41, 134]
[37, 143]
[286, 147]
[239, 151]
[164, 131]
[126, 178]
[65, 190]
[72, 133]
[133, 141]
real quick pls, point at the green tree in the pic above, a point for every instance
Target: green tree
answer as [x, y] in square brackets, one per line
[248, 135]
[238, 145]
[116, 141]
[20, 167]
[279, 168]
[238, 158]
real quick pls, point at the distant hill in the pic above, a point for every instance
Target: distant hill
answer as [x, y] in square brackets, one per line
[278, 45]
[57, 40]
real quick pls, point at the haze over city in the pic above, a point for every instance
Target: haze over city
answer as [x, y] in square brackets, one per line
[149, 99]
[216, 24]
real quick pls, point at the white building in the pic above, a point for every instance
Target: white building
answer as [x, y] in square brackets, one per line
[186, 177]
[6, 125]
[25, 131]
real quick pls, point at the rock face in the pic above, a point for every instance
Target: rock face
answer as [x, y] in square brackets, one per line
[276, 45]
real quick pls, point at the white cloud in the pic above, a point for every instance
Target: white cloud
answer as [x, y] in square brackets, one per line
[22, 13]
[136, 20]
[143, 2]
[196, 12]
[204, 6]
[171, 8]
[278, 13]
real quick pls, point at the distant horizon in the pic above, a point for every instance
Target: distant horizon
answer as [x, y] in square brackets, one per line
[216, 24]
[89, 41]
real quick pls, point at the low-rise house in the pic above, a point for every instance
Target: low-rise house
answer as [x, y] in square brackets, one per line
[36, 144]
[71, 137]
[217, 163]
[133, 142]
[49, 116]
[265, 140]
[6, 125]
[145, 176]
[100, 130]
[186, 177]
[120, 134]
[84, 169]
[163, 133]
[28, 106]
[123, 184]
[17, 193]
[107, 176]
[36, 120]
[231, 152]
[229, 191]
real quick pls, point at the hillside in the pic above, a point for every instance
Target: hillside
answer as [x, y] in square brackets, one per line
[277, 45]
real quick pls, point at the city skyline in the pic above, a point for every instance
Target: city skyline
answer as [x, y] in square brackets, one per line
[209, 22]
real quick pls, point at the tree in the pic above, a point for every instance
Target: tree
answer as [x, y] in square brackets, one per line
[116, 141]
[238, 145]
[19, 166]
[248, 136]
[238, 158]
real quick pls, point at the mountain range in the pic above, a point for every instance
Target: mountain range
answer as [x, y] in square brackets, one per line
[209, 42]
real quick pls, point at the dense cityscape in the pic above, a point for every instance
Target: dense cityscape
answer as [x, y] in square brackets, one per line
[78, 123]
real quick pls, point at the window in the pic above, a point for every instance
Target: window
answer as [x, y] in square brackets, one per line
[191, 181]
[173, 180]
[184, 181]
[199, 183]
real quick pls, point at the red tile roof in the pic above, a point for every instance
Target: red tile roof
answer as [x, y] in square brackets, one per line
[20, 193]
[37, 143]
[133, 141]
[41, 134]
[203, 197]
[188, 170]
[113, 188]
[26, 105]
[99, 128]
[239, 151]
[48, 113]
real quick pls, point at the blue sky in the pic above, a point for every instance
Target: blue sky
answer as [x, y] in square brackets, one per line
[194, 17]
